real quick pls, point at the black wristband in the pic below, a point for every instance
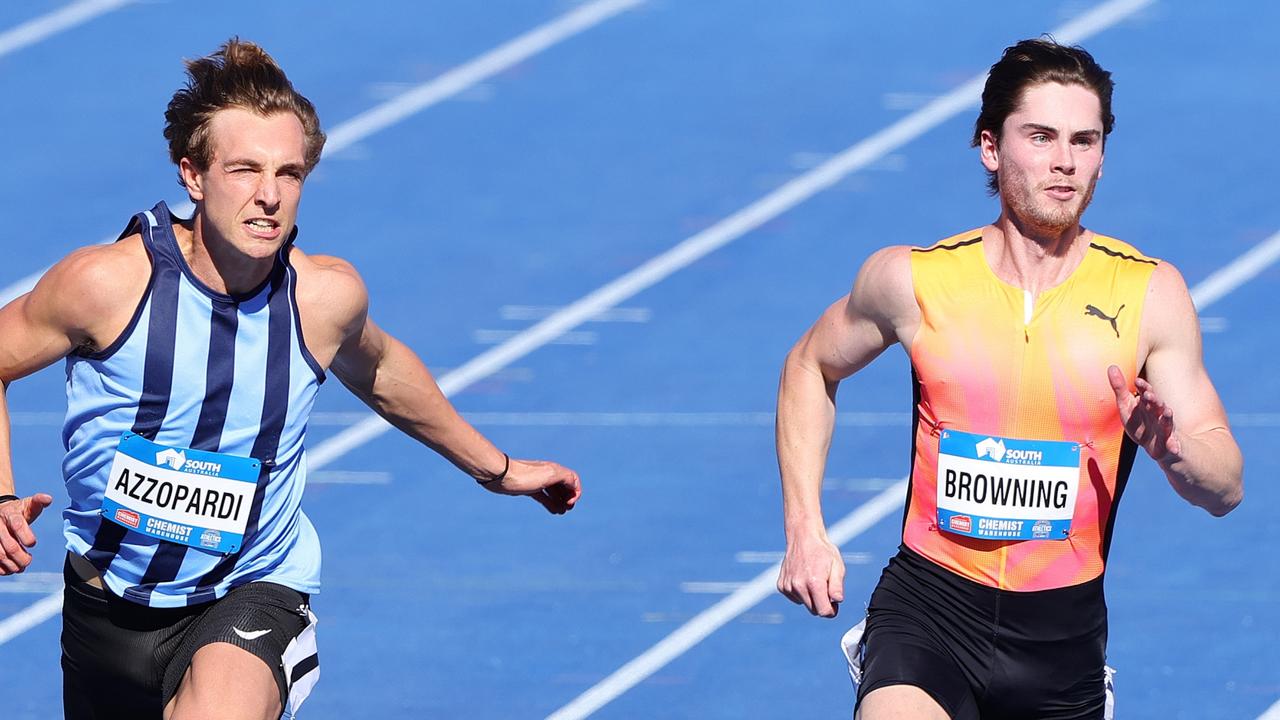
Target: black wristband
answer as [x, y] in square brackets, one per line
[500, 476]
[7, 498]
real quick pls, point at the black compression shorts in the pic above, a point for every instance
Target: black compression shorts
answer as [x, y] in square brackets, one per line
[986, 653]
[124, 660]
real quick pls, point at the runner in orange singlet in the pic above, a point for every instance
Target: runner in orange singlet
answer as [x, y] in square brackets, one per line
[1044, 356]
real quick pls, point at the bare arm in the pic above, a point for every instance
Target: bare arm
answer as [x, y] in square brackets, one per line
[393, 381]
[879, 311]
[1176, 415]
[67, 307]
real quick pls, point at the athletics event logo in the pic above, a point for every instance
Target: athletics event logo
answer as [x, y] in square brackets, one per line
[173, 458]
[996, 450]
[177, 459]
[990, 447]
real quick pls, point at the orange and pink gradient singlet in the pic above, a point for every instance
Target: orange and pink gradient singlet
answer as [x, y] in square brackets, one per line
[989, 361]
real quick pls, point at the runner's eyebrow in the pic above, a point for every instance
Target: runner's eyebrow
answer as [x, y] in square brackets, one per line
[255, 165]
[1037, 127]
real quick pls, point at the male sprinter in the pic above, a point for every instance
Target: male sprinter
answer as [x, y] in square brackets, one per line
[194, 349]
[1043, 356]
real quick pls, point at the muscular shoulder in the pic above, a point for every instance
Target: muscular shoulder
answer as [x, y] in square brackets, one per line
[331, 289]
[1169, 313]
[883, 291]
[90, 287]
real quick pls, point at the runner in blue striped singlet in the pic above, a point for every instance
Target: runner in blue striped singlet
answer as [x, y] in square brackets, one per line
[194, 349]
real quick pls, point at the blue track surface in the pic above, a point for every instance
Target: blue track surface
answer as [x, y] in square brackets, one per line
[562, 173]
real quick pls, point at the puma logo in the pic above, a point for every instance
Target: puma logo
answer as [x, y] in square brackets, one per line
[1095, 312]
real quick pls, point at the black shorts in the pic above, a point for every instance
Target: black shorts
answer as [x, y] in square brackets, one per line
[987, 653]
[124, 660]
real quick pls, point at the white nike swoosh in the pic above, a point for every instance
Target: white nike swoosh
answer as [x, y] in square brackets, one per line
[252, 635]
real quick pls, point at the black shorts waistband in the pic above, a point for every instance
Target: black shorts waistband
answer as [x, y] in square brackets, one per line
[1066, 612]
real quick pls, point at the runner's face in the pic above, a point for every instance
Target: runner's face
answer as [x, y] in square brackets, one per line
[251, 189]
[1049, 156]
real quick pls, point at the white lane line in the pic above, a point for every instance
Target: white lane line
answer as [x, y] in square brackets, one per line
[713, 618]
[30, 616]
[64, 18]
[480, 69]
[712, 587]
[493, 337]
[538, 312]
[1242, 270]
[756, 557]
[668, 419]
[427, 94]
[1255, 419]
[1214, 324]
[348, 477]
[25, 284]
[32, 582]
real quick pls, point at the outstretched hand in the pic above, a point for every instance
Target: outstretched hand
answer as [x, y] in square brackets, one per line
[16, 517]
[1147, 420]
[556, 487]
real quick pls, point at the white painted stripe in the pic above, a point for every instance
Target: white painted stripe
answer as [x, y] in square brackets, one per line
[20, 418]
[1214, 324]
[713, 587]
[30, 616]
[23, 285]
[493, 337]
[669, 419]
[1242, 270]
[713, 618]
[858, 156]
[425, 95]
[476, 71]
[64, 18]
[1272, 713]
[538, 312]
[1255, 419]
[757, 557]
[32, 582]
[348, 477]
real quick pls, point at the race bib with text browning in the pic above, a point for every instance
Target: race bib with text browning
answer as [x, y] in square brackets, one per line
[999, 488]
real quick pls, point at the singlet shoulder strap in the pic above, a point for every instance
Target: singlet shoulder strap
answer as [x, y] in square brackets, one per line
[156, 227]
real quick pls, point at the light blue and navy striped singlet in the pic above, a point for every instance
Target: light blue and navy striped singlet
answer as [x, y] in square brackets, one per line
[203, 370]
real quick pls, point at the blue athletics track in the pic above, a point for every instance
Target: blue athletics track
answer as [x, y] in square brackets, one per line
[603, 224]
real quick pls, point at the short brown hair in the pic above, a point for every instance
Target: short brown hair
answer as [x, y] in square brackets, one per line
[1030, 63]
[240, 74]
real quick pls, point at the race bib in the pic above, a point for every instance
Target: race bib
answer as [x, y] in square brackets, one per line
[192, 497]
[999, 488]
